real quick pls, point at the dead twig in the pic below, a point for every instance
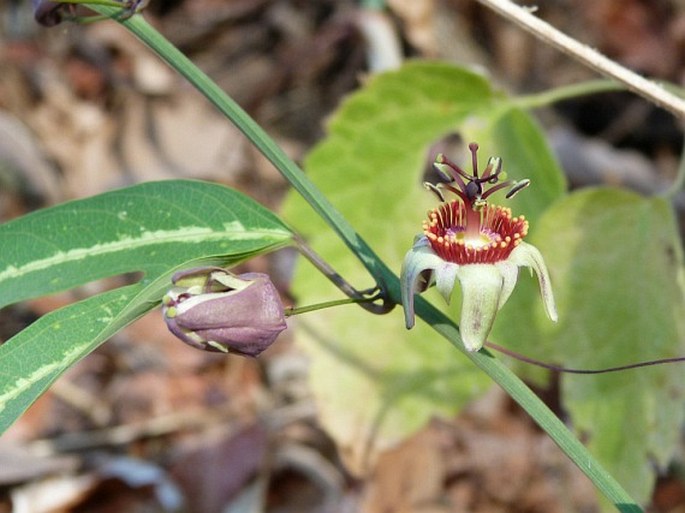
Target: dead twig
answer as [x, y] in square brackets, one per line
[588, 56]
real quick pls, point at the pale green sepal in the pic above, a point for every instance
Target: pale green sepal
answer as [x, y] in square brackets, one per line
[510, 272]
[418, 259]
[481, 286]
[485, 287]
[527, 255]
[445, 275]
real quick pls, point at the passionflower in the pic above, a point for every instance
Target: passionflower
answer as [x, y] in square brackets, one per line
[212, 309]
[476, 242]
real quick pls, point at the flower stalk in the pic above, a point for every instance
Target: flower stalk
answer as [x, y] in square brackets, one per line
[367, 299]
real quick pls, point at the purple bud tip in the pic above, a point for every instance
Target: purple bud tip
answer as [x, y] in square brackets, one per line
[49, 13]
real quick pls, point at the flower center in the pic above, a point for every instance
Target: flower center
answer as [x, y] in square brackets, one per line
[462, 235]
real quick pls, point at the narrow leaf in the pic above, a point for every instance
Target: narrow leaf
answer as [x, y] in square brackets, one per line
[145, 228]
[33, 359]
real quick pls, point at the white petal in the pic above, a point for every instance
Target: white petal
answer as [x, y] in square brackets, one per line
[527, 255]
[481, 286]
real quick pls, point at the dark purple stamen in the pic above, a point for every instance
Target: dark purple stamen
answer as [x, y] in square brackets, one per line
[470, 187]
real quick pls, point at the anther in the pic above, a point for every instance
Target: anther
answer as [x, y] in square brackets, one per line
[435, 189]
[517, 187]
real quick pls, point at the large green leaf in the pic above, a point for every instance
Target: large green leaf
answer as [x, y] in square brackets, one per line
[153, 228]
[616, 265]
[374, 381]
[147, 228]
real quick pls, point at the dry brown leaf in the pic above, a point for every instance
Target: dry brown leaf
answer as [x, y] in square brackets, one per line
[410, 477]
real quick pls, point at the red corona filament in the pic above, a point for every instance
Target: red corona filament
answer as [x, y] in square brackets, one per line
[468, 230]
[456, 236]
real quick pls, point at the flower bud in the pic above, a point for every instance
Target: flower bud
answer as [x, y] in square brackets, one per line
[49, 13]
[215, 310]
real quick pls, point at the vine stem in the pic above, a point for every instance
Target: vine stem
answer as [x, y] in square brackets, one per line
[361, 297]
[569, 370]
[542, 30]
[546, 98]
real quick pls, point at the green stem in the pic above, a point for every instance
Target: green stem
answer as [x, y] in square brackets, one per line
[297, 310]
[361, 297]
[384, 276]
[527, 399]
[546, 98]
[257, 136]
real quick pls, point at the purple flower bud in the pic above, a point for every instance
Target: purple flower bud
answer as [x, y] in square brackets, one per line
[215, 310]
[50, 13]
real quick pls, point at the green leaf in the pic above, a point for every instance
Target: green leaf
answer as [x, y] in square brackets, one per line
[147, 228]
[33, 359]
[153, 228]
[616, 268]
[371, 166]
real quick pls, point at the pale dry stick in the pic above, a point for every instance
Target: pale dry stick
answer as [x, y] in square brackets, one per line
[592, 58]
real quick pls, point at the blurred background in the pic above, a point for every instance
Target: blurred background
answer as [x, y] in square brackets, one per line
[146, 424]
